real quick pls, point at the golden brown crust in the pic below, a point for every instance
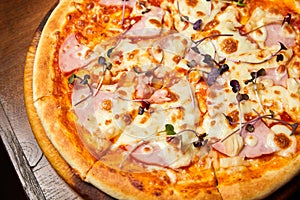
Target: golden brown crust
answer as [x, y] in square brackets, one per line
[43, 74]
[66, 142]
[51, 153]
[46, 102]
[245, 183]
[149, 185]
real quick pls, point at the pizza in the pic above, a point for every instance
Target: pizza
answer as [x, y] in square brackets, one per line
[173, 99]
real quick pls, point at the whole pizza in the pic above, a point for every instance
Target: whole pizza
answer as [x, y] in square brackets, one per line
[173, 99]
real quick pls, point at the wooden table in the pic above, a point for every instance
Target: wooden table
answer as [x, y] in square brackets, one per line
[19, 20]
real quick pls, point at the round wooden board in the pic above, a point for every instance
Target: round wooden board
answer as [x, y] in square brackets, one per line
[85, 190]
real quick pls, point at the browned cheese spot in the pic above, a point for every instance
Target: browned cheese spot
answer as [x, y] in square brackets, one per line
[277, 92]
[210, 25]
[234, 115]
[147, 149]
[108, 121]
[191, 3]
[137, 184]
[155, 22]
[106, 104]
[213, 122]
[122, 92]
[282, 140]
[133, 54]
[281, 69]
[176, 59]
[229, 45]
[105, 18]
[215, 32]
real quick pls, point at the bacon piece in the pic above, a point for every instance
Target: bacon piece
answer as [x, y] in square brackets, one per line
[72, 54]
[149, 26]
[275, 35]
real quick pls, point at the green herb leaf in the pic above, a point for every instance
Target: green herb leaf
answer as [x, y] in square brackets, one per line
[71, 79]
[170, 129]
[184, 18]
[241, 3]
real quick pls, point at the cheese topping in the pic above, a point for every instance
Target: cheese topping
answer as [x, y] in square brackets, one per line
[184, 75]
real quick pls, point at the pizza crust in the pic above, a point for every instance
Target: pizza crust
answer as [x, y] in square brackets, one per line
[148, 185]
[261, 187]
[53, 156]
[45, 100]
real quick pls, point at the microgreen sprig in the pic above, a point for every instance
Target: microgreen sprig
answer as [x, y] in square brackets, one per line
[123, 11]
[169, 130]
[239, 97]
[196, 25]
[249, 126]
[281, 48]
[286, 19]
[83, 81]
[198, 42]
[106, 66]
[253, 80]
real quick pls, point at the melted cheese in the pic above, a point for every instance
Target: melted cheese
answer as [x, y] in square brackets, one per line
[139, 57]
[282, 140]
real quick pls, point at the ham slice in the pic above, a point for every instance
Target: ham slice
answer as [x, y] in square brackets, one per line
[143, 89]
[278, 76]
[159, 154]
[192, 55]
[275, 35]
[150, 154]
[255, 142]
[261, 133]
[72, 54]
[87, 108]
[159, 96]
[149, 26]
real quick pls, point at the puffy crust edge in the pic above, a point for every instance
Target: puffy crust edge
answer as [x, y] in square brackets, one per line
[50, 152]
[263, 186]
[135, 186]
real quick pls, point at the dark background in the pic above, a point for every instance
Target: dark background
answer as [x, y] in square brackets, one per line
[11, 187]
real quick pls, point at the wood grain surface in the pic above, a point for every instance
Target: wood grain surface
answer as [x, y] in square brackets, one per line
[19, 25]
[19, 20]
